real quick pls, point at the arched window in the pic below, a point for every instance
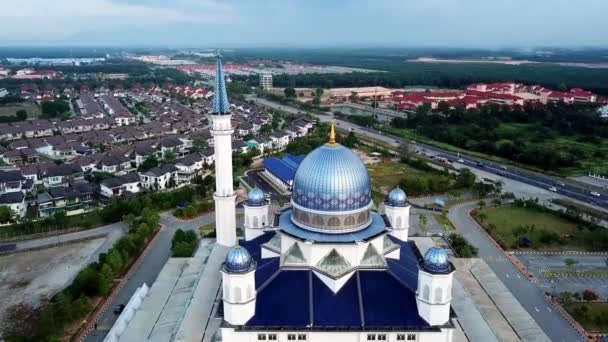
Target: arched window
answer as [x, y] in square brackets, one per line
[247, 223]
[362, 218]
[255, 222]
[333, 222]
[304, 218]
[237, 294]
[349, 221]
[438, 294]
[226, 291]
[317, 221]
[426, 292]
[249, 292]
[264, 220]
[398, 222]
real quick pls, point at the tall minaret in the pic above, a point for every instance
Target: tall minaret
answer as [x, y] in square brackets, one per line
[225, 220]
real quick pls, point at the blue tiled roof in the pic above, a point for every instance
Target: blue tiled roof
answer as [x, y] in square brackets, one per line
[376, 227]
[336, 310]
[284, 302]
[284, 168]
[387, 303]
[298, 299]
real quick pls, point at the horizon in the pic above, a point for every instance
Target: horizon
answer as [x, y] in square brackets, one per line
[470, 24]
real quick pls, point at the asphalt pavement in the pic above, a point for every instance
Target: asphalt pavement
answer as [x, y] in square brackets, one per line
[529, 295]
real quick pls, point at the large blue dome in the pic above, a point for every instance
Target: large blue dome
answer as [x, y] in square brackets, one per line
[332, 178]
[436, 260]
[238, 260]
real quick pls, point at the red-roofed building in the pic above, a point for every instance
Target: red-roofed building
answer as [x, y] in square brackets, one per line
[581, 95]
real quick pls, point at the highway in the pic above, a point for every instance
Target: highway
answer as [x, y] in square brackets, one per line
[562, 186]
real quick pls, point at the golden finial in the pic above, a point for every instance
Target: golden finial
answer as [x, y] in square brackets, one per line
[332, 133]
[437, 243]
[237, 245]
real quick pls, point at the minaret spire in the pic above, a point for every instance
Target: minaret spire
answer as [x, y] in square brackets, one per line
[221, 129]
[220, 97]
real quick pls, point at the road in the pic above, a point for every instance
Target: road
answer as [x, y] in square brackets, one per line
[530, 296]
[562, 186]
[153, 262]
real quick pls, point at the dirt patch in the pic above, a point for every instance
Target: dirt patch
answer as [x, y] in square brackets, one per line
[29, 276]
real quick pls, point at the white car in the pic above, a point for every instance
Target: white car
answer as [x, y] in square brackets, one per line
[460, 160]
[595, 193]
[554, 189]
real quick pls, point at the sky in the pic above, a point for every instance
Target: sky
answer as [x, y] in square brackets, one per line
[323, 23]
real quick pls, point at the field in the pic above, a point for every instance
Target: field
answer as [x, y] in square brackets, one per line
[386, 176]
[592, 316]
[505, 224]
[33, 110]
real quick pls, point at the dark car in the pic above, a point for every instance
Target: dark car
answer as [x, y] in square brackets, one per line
[119, 309]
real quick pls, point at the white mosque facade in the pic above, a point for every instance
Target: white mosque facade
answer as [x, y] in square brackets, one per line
[332, 269]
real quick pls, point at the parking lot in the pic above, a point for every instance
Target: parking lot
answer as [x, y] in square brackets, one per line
[539, 263]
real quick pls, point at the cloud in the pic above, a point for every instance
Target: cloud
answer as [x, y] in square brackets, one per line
[58, 20]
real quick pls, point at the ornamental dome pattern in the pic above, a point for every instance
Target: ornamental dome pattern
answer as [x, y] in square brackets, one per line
[396, 198]
[436, 260]
[332, 178]
[238, 260]
[256, 198]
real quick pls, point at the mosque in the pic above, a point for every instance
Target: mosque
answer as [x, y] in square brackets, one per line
[328, 267]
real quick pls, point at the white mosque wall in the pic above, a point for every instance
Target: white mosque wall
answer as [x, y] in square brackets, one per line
[399, 217]
[269, 254]
[255, 220]
[238, 295]
[433, 297]
[232, 335]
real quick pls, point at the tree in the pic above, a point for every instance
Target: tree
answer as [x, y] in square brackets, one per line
[319, 92]
[589, 295]
[115, 261]
[443, 107]
[149, 163]
[423, 222]
[465, 179]
[405, 151]
[21, 115]
[199, 144]
[316, 100]
[169, 157]
[6, 214]
[53, 109]
[354, 97]
[105, 279]
[290, 93]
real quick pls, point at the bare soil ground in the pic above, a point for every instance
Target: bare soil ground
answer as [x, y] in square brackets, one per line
[32, 275]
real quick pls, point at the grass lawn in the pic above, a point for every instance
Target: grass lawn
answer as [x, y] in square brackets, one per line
[592, 316]
[386, 176]
[507, 218]
[33, 110]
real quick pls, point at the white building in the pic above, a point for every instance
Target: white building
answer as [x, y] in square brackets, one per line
[159, 178]
[266, 81]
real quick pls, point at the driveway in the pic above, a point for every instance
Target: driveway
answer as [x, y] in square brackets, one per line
[530, 296]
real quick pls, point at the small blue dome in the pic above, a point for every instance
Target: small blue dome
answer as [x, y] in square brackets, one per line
[332, 178]
[436, 260]
[396, 198]
[238, 260]
[256, 198]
